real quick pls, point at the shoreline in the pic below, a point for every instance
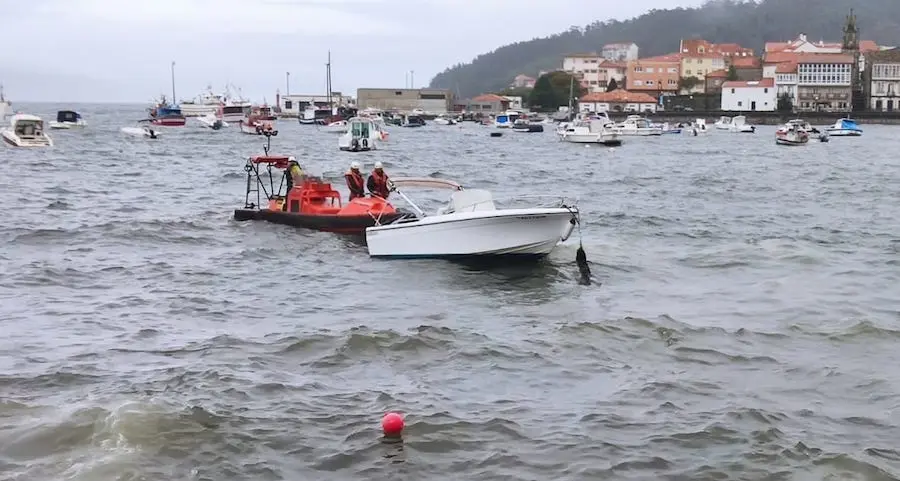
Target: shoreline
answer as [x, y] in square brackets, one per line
[775, 118]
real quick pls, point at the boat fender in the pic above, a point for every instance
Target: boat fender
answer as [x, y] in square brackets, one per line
[365, 144]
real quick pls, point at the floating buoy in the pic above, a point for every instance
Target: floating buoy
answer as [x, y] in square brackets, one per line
[392, 425]
[496, 134]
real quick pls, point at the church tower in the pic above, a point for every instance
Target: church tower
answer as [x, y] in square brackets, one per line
[850, 46]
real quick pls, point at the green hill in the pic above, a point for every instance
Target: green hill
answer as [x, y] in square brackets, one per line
[657, 32]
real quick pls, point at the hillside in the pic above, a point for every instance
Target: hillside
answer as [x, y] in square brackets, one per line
[657, 32]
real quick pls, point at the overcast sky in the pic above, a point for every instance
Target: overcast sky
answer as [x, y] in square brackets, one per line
[121, 50]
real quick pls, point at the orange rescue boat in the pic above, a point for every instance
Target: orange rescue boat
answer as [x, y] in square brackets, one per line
[313, 205]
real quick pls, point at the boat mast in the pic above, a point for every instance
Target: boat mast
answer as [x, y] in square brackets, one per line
[328, 83]
[571, 94]
[173, 83]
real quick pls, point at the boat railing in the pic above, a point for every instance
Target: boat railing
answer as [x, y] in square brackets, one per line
[539, 201]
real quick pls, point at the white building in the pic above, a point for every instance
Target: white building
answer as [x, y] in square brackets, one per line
[755, 95]
[786, 81]
[594, 71]
[884, 80]
[824, 82]
[292, 105]
[515, 102]
[620, 52]
[617, 101]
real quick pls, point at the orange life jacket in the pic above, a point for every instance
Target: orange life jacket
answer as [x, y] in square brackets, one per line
[380, 187]
[356, 184]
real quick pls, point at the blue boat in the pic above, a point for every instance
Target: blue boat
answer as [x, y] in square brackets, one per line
[844, 128]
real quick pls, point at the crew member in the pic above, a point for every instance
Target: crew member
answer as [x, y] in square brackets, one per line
[355, 181]
[295, 175]
[378, 182]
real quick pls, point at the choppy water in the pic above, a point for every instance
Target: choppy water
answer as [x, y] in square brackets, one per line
[746, 326]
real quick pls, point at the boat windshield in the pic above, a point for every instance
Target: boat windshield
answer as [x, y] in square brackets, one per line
[28, 128]
[360, 129]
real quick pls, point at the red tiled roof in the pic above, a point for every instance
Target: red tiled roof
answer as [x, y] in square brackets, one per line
[717, 74]
[786, 67]
[619, 96]
[864, 45]
[613, 65]
[671, 57]
[776, 46]
[744, 62]
[489, 98]
[766, 82]
[823, 58]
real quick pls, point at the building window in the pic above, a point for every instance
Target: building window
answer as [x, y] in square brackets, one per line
[432, 96]
[288, 105]
[740, 104]
[732, 90]
[765, 90]
[687, 72]
[649, 69]
[397, 92]
[638, 69]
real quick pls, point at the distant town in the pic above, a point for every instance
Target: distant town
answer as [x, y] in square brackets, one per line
[799, 75]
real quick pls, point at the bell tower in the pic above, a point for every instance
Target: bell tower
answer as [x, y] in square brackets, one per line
[850, 46]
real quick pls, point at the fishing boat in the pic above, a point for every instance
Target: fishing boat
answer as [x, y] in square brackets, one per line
[336, 127]
[206, 103]
[791, 135]
[311, 203]
[412, 120]
[361, 136]
[844, 128]
[166, 114]
[802, 124]
[254, 125]
[26, 130]
[67, 119]
[471, 225]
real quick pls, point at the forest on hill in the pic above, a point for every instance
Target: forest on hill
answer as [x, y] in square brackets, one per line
[746, 22]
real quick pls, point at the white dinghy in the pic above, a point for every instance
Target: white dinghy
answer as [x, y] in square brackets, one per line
[471, 226]
[145, 132]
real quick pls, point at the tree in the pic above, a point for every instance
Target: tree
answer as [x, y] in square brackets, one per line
[551, 91]
[785, 104]
[612, 85]
[732, 74]
[688, 83]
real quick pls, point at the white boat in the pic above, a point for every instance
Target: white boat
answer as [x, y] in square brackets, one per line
[591, 131]
[206, 103]
[67, 119]
[5, 106]
[212, 121]
[791, 135]
[506, 119]
[737, 124]
[635, 125]
[699, 126]
[380, 127]
[444, 119]
[802, 124]
[525, 125]
[339, 127]
[844, 128]
[471, 226]
[26, 130]
[145, 132]
[362, 135]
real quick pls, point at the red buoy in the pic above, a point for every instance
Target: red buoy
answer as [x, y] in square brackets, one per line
[392, 424]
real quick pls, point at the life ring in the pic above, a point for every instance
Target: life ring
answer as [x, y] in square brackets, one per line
[365, 143]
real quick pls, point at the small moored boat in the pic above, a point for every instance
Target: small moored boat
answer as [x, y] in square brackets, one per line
[253, 124]
[67, 119]
[594, 130]
[524, 125]
[844, 128]
[635, 125]
[313, 204]
[26, 130]
[791, 135]
[506, 119]
[471, 226]
[145, 132]
[212, 121]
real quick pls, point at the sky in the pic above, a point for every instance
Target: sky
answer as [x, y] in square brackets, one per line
[122, 50]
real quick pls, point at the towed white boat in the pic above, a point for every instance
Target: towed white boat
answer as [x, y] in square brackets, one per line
[145, 132]
[635, 125]
[737, 124]
[26, 130]
[598, 130]
[67, 119]
[791, 135]
[471, 226]
[339, 127]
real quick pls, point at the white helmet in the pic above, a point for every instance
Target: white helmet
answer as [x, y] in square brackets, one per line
[354, 165]
[379, 165]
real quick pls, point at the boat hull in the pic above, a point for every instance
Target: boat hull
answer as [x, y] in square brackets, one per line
[169, 121]
[66, 125]
[13, 140]
[514, 232]
[341, 224]
[843, 132]
[602, 139]
[781, 141]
